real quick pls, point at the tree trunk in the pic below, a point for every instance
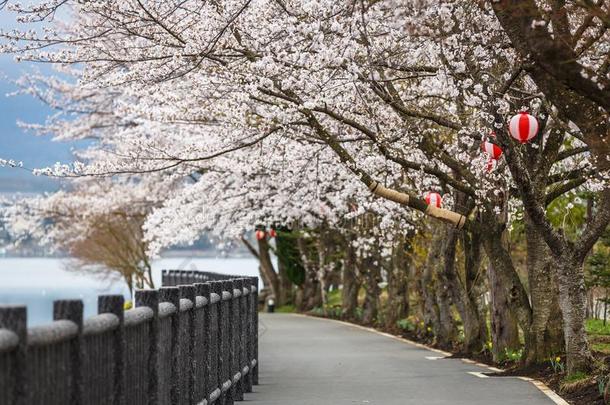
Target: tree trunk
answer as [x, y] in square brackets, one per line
[443, 324]
[398, 288]
[475, 334]
[572, 300]
[349, 293]
[430, 309]
[504, 329]
[372, 277]
[508, 279]
[546, 329]
[311, 293]
[285, 285]
[268, 270]
[325, 264]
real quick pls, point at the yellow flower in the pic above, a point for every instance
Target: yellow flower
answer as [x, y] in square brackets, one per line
[429, 329]
[127, 305]
[557, 359]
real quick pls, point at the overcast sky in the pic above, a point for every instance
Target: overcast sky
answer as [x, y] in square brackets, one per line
[17, 144]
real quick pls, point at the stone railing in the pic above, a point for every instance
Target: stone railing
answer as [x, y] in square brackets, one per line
[193, 341]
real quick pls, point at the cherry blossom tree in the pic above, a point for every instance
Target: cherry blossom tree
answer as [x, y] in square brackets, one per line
[329, 103]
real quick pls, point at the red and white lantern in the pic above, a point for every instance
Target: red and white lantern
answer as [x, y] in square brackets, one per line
[272, 233]
[523, 127]
[434, 199]
[493, 150]
[260, 234]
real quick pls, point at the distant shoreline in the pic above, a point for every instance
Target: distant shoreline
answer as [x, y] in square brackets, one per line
[166, 255]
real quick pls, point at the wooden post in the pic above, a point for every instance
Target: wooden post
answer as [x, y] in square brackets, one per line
[227, 286]
[172, 295]
[14, 318]
[254, 332]
[249, 327]
[238, 287]
[222, 357]
[114, 304]
[187, 345]
[150, 299]
[72, 310]
[203, 290]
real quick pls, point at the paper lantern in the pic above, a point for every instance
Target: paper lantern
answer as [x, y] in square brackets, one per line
[260, 234]
[272, 233]
[523, 127]
[493, 150]
[434, 199]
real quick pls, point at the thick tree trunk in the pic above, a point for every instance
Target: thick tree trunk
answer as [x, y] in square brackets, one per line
[462, 295]
[572, 300]
[372, 276]
[546, 330]
[504, 329]
[398, 288]
[325, 263]
[311, 296]
[439, 296]
[446, 334]
[268, 270]
[349, 293]
[513, 289]
[285, 285]
[430, 309]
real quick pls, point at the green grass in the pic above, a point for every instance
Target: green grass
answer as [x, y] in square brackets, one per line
[334, 298]
[577, 376]
[285, 309]
[603, 347]
[599, 335]
[597, 327]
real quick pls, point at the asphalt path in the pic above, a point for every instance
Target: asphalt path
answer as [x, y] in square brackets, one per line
[310, 361]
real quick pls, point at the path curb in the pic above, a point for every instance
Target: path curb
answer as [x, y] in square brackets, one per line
[542, 387]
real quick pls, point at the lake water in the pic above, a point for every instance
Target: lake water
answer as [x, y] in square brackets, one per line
[36, 282]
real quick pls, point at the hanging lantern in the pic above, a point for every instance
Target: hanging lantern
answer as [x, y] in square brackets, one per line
[260, 234]
[493, 150]
[491, 165]
[434, 199]
[523, 127]
[272, 233]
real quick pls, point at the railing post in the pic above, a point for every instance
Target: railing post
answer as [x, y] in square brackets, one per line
[14, 318]
[203, 290]
[238, 285]
[164, 278]
[150, 299]
[72, 310]
[248, 328]
[222, 358]
[255, 329]
[228, 318]
[114, 304]
[172, 295]
[187, 345]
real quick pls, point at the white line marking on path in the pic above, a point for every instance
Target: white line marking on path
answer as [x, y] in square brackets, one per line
[477, 374]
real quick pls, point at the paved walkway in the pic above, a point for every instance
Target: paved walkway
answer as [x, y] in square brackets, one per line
[308, 361]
